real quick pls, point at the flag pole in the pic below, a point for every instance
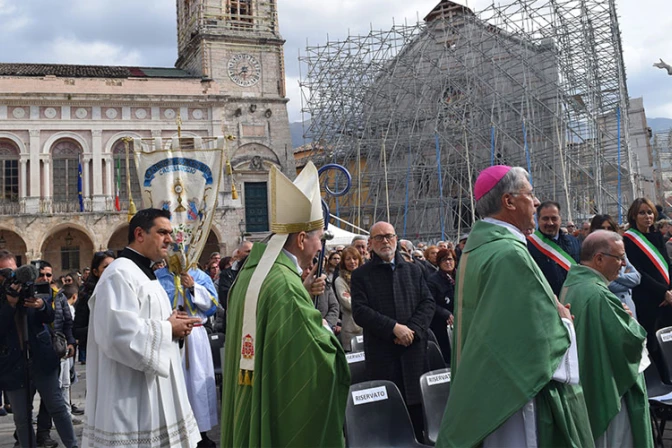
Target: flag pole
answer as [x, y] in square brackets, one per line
[131, 205]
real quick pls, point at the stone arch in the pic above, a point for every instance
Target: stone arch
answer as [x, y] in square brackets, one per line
[14, 242]
[66, 256]
[211, 245]
[46, 148]
[254, 157]
[112, 141]
[119, 239]
[16, 140]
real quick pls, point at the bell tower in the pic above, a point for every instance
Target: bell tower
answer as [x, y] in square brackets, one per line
[233, 42]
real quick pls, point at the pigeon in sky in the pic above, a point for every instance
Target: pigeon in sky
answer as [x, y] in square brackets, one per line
[666, 66]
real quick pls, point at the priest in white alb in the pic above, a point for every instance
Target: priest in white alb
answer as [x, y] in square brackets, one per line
[135, 391]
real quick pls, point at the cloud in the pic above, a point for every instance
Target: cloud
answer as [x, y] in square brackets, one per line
[144, 33]
[73, 51]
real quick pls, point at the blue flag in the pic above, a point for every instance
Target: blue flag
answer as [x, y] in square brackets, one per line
[79, 185]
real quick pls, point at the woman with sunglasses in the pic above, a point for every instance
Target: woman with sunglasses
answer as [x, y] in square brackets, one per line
[81, 326]
[645, 249]
[628, 276]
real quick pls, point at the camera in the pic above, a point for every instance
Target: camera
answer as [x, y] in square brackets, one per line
[24, 277]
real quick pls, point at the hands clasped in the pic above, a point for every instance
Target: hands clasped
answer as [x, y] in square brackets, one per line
[404, 335]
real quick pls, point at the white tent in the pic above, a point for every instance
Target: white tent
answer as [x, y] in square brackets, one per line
[341, 237]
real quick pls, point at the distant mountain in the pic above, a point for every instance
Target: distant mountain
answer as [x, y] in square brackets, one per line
[296, 130]
[659, 124]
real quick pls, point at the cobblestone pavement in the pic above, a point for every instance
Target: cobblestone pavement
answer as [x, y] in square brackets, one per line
[78, 390]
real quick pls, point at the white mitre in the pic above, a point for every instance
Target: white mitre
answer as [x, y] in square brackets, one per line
[295, 207]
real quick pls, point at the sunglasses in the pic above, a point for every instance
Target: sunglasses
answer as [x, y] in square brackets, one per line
[44, 274]
[104, 253]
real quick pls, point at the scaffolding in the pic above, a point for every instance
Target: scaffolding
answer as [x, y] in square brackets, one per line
[415, 112]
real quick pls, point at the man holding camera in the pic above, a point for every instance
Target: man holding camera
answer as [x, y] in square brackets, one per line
[34, 315]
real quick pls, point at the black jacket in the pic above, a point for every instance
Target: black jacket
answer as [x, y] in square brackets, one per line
[381, 298]
[443, 291]
[650, 292]
[556, 275]
[82, 312]
[42, 355]
[226, 279]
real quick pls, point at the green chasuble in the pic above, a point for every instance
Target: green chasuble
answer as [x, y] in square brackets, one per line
[508, 341]
[301, 377]
[610, 346]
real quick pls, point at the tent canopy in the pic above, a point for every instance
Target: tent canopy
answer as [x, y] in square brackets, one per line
[341, 237]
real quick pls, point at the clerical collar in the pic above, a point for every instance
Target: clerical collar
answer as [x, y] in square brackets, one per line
[515, 230]
[144, 263]
[294, 260]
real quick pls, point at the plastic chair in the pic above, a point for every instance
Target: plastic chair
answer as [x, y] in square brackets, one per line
[431, 337]
[357, 364]
[664, 336]
[661, 410]
[435, 389]
[435, 357]
[376, 416]
[357, 343]
[216, 343]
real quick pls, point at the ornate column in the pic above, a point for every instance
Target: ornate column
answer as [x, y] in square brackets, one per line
[98, 196]
[23, 173]
[33, 196]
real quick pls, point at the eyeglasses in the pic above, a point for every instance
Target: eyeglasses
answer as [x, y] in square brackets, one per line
[381, 238]
[526, 193]
[448, 259]
[619, 258]
[44, 274]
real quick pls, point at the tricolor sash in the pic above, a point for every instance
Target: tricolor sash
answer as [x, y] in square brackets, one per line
[549, 248]
[650, 250]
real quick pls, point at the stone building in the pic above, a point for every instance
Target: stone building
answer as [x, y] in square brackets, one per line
[228, 79]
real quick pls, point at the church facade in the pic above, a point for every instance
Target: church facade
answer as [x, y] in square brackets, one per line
[228, 80]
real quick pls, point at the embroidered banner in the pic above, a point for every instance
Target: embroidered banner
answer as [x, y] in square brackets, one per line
[650, 250]
[183, 177]
[549, 248]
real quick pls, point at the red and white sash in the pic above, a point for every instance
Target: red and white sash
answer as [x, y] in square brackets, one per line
[549, 248]
[651, 252]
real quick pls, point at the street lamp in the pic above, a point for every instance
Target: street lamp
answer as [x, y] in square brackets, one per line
[68, 239]
[241, 227]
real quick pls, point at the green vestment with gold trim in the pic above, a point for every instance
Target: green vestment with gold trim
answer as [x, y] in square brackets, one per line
[508, 341]
[610, 346]
[301, 376]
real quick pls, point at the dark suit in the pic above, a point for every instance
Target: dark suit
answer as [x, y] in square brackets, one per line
[383, 296]
[554, 273]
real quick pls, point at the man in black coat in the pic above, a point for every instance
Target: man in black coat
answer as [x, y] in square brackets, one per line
[391, 302]
[548, 216]
[226, 279]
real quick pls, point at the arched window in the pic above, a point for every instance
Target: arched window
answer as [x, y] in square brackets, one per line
[9, 172]
[65, 155]
[120, 176]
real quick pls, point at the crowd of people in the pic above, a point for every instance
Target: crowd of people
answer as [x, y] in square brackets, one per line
[547, 329]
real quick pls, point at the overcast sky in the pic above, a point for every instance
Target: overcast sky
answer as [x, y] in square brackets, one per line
[143, 32]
